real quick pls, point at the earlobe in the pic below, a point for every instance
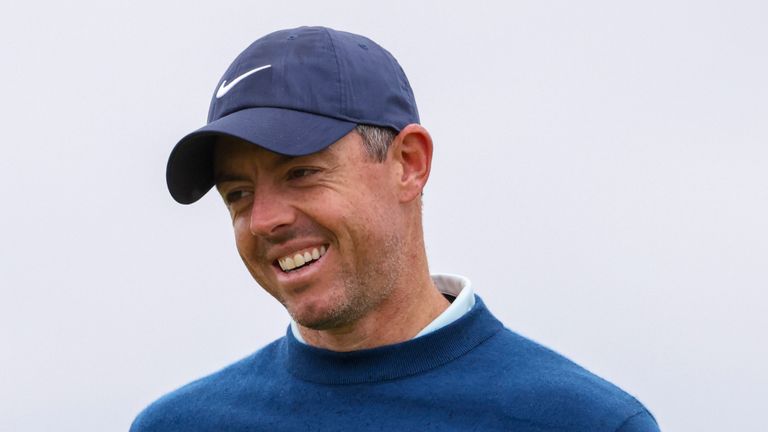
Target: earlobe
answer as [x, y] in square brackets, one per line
[413, 152]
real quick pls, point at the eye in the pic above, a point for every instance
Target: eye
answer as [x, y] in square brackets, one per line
[236, 195]
[301, 172]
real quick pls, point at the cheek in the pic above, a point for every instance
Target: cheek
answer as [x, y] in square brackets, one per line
[369, 225]
[247, 248]
[244, 240]
[240, 225]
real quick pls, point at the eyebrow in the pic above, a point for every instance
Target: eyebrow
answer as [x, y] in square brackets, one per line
[223, 178]
[281, 160]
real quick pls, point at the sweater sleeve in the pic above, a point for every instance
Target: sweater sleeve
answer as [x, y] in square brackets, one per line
[640, 422]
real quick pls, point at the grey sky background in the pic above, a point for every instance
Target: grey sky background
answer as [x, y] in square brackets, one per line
[599, 174]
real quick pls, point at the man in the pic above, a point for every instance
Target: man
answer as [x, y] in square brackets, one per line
[314, 143]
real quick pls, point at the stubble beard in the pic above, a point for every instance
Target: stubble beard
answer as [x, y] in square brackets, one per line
[363, 288]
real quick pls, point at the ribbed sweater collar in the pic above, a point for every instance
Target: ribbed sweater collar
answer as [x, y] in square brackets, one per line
[391, 361]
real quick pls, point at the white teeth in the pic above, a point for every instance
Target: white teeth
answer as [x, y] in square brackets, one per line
[288, 263]
[300, 259]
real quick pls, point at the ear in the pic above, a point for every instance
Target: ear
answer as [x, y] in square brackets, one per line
[412, 154]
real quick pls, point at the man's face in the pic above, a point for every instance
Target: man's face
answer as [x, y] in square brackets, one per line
[336, 212]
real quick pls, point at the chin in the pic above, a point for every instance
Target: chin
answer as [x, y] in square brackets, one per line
[318, 321]
[324, 315]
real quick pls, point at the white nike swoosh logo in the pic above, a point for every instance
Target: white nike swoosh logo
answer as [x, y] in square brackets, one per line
[224, 88]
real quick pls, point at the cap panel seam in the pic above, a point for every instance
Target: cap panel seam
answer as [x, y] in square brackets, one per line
[402, 81]
[339, 81]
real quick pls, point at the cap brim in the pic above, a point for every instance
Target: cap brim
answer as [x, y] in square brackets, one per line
[189, 173]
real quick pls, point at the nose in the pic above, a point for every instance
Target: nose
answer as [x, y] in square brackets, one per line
[270, 213]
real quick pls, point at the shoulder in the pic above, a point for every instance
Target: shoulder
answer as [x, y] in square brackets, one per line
[203, 400]
[533, 384]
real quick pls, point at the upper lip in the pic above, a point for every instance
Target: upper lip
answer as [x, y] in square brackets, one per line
[292, 247]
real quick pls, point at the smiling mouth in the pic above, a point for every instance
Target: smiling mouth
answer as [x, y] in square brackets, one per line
[300, 259]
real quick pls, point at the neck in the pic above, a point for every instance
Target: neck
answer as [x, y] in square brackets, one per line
[412, 306]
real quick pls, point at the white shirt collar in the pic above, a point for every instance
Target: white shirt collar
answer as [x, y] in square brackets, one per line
[450, 284]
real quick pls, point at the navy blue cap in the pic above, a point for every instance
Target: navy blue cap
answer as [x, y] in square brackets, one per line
[294, 92]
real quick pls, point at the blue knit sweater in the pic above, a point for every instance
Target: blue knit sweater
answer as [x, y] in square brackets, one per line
[472, 375]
